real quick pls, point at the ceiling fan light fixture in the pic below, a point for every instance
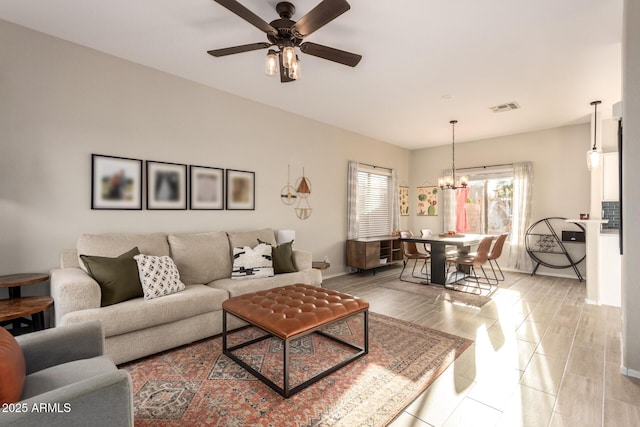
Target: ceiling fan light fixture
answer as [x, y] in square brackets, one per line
[295, 69]
[288, 56]
[271, 63]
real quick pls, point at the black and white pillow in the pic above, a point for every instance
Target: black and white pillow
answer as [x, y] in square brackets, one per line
[159, 276]
[253, 263]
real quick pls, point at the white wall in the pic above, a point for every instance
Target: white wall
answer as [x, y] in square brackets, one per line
[61, 102]
[561, 179]
[631, 191]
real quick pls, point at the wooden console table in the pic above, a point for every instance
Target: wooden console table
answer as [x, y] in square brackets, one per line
[373, 252]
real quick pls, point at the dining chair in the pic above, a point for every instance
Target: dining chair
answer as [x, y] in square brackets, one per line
[410, 252]
[473, 260]
[426, 233]
[495, 253]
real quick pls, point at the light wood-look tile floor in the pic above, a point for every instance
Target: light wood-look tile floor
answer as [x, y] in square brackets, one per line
[541, 356]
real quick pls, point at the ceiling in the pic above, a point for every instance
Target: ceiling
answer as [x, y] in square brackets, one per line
[424, 63]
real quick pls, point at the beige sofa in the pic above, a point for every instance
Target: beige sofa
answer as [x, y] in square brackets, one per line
[137, 328]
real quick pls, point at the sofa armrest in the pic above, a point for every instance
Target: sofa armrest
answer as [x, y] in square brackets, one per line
[302, 260]
[105, 400]
[72, 289]
[51, 347]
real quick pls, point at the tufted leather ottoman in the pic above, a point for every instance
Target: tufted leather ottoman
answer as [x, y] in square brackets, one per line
[291, 312]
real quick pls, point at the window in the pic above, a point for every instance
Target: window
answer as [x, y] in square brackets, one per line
[374, 202]
[489, 205]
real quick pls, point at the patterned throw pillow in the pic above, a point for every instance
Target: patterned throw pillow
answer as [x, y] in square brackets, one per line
[252, 263]
[159, 276]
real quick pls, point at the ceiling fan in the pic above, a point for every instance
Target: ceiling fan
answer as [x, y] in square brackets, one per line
[286, 35]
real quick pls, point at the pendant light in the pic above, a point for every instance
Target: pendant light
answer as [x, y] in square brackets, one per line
[593, 155]
[450, 182]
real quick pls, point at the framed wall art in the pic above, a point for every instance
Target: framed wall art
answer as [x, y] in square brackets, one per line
[116, 182]
[166, 185]
[428, 201]
[404, 200]
[206, 188]
[241, 193]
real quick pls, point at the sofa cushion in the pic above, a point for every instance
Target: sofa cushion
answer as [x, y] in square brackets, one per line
[12, 368]
[64, 374]
[114, 244]
[250, 238]
[118, 277]
[282, 256]
[138, 314]
[159, 276]
[201, 257]
[252, 263]
[239, 287]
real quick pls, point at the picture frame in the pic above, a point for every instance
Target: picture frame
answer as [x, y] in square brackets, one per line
[241, 192]
[116, 183]
[166, 186]
[427, 201]
[404, 200]
[206, 188]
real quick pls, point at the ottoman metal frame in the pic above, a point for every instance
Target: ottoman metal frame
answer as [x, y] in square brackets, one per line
[287, 390]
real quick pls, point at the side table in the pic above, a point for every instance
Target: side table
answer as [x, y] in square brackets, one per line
[320, 265]
[14, 309]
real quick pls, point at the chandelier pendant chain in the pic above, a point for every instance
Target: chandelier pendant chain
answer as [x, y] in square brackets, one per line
[453, 149]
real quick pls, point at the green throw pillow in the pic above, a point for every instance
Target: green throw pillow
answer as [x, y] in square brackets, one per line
[118, 277]
[282, 256]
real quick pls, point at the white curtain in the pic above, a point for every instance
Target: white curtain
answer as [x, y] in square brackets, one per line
[522, 183]
[352, 200]
[395, 201]
[448, 206]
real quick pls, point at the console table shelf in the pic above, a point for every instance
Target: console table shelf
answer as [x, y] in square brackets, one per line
[372, 252]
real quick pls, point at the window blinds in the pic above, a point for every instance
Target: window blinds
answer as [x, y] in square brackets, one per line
[374, 209]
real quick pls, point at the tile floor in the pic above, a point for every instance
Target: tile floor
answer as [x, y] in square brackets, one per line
[541, 357]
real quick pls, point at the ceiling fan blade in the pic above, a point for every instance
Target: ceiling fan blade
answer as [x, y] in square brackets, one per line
[322, 14]
[238, 49]
[248, 16]
[284, 76]
[330, 53]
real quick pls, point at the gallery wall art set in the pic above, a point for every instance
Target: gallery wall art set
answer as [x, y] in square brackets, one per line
[117, 183]
[426, 203]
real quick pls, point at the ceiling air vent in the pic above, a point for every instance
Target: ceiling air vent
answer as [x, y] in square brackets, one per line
[505, 107]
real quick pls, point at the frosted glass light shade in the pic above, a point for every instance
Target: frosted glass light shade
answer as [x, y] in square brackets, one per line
[593, 159]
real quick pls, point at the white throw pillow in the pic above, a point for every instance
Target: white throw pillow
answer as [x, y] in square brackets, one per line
[252, 263]
[159, 276]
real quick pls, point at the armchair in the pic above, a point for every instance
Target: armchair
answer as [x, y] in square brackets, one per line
[69, 382]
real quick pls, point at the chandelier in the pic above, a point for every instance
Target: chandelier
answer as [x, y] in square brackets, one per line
[593, 155]
[450, 182]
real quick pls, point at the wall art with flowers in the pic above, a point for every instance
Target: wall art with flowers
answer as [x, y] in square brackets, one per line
[428, 201]
[404, 201]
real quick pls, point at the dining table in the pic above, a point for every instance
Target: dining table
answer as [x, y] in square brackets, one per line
[439, 244]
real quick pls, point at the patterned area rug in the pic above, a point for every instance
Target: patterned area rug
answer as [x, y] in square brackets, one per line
[196, 385]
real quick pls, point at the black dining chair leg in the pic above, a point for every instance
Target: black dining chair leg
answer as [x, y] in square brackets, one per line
[424, 270]
[499, 270]
[404, 265]
[413, 272]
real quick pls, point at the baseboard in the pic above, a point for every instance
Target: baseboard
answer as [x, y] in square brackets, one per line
[629, 372]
